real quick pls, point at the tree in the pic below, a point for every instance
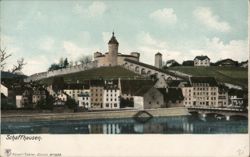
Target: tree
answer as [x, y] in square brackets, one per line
[65, 63]
[54, 67]
[3, 57]
[85, 59]
[19, 66]
[71, 103]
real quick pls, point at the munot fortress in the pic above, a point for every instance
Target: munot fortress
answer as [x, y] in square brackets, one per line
[114, 58]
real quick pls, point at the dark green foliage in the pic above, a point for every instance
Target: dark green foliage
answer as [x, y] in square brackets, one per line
[102, 72]
[54, 67]
[45, 104]
[233, 75]
[126, 103]
[71, 103]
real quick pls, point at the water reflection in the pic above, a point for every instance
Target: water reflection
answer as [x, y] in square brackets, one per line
[162, 125]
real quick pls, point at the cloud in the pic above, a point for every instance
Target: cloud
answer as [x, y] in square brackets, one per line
[73, 52]
[217, 49]
[35, 64]
[210, 20]
[164, 16]
[47, 43]
[148, 46]
[95, 9]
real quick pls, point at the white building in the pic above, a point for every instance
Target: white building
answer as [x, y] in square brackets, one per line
[73, 90]
[19, 101]
[201, 61]
[138, 102]
[84, 100]
[201, 91]
[111, 97]
[4, 90]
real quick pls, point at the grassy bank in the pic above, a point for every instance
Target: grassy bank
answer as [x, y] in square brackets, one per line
[233, 75]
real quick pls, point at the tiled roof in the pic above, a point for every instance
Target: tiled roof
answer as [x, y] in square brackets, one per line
[201, 57]
[131, 86]
[96, 83]
[210, 80]
[76, 86]
[143, 90]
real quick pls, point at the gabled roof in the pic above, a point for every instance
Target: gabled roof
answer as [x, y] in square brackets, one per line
[209, 80]
[201, 57]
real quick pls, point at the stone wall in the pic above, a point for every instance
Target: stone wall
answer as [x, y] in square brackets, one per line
[74, 69]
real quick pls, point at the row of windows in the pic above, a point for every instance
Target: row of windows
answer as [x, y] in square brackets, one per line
[110, 105]
[203, 93]
[111, 99]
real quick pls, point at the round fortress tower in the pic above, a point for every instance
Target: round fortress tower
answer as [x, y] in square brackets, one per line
[158, 60]
[113, 51]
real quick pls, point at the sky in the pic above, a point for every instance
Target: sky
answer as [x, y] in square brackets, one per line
[43, 31]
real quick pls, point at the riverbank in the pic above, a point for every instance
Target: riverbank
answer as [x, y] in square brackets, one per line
[29, 117]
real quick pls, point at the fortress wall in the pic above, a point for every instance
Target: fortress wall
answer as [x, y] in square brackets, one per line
[77, 68]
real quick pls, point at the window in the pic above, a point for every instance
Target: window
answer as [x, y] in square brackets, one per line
[149, 102]
[115, 105]
[157, 102]
[107, 105]
[107, 99]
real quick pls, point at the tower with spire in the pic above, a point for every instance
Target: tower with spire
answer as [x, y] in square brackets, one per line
[112, 51]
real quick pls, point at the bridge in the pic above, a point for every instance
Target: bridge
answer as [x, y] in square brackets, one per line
[226, 112]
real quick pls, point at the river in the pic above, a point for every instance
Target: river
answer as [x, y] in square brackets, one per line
[156, 125]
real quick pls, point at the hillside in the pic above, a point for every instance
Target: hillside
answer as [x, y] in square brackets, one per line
[102, 72]
[233, 75]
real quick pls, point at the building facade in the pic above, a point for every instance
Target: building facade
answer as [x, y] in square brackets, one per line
[84, 100]
[201, 61]
[201, 91]
[96, 93]
[111, 97]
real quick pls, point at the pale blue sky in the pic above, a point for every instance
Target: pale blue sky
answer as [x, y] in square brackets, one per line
[44, 31]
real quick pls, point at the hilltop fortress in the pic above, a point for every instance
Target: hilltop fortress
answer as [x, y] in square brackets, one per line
[114, 58]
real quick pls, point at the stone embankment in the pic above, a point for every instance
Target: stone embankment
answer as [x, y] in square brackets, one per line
[29, 117]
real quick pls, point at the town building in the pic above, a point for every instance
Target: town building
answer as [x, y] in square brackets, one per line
[201, 61]
[148, 97]
[96, 93]
[111, 96]
[227, 63]
[38, 95]
[201, 91]
[4, 90]
[73, 90]
[84, 100]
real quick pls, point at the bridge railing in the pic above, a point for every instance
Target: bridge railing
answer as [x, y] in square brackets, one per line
[217, 108]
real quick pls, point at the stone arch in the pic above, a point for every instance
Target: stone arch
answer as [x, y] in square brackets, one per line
[143, 71]
[137, 69]
[149, 72]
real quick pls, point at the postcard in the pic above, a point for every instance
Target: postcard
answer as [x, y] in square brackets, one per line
[124, 78]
